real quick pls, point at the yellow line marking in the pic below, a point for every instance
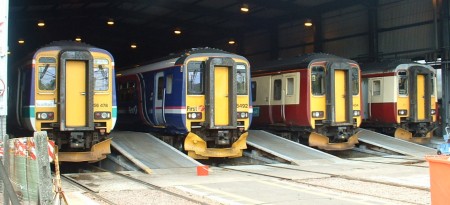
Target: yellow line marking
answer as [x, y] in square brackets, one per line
[302, 189]
[234, 196]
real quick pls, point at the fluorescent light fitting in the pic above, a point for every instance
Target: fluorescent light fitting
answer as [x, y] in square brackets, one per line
[244, 8]
[41, 23]
[133, 45]
[21, 41]
[308, 23]
[110, 22]
[78, 39]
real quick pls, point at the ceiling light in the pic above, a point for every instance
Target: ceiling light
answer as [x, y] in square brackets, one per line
[244, 8]
[177, 31]
[308, 22]
[133, 45]
[21, 41]
[78, 39]
[110, 22]
[41, 23]
[231, 42]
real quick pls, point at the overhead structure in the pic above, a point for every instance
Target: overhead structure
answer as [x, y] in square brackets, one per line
[4, 6]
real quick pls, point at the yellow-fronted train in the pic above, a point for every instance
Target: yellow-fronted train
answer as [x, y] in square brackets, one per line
[67, 89]
[199, 99]
[313, 98]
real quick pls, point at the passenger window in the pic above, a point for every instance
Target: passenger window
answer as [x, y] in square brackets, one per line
[241, 79]
[376, 87]
[101, 76]
[277, 89]
[290, 86]
[160, 88]
[195, 77]
[318, 80]
[47, 60]
[47, 77]
[402, 83]
[355, 81]
[169, 80]
[253, 91]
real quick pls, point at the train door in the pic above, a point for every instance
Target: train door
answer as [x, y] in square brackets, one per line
[340, 87]
[420, 93]
[76, 91]
[221, 95]
[276, 100]
[374, 97]
[159, 96]
[421, 97]
[340, 99]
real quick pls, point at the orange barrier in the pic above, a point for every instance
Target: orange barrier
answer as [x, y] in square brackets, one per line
[202, 170]
[439, 179]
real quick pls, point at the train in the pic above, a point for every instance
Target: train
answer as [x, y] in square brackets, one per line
[400, 99]
[68, 90]
[197, 100]
[313, 98]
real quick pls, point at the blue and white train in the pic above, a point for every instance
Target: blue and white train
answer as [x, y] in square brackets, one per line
[200, 98]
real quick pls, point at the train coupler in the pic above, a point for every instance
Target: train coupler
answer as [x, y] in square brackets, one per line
[98, 152]
[406, 135]
[323, 142]
[197, 147]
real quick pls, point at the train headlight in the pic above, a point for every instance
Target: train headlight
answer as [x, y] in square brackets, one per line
[242, 115]
[433, 111]
[102, 115]
[45, 115]
[402, 112]
[194, 115]
[317, 114]
[356, 113]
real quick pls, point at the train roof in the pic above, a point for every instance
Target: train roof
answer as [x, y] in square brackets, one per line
[67, 45]
[389, 65]
[178, 59]
[301, 61]
[60, 45]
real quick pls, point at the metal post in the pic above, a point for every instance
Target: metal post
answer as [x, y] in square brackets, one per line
[318, 36]
[373, 30]
[445, 66]
[45, 177]
[8, 187]
[274, 45]
[4, 6]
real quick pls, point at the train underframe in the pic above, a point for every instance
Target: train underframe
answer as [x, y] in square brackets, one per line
[206, 143]
[417, 132]
[81, 146]
[323, 136]
[420, 132]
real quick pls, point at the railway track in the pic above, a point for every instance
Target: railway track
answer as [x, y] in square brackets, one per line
[95, 193]
[337, 177]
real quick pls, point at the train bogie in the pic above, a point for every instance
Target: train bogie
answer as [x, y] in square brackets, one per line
[68, 91]
[400, 99]
[200, 96]
[314, 97]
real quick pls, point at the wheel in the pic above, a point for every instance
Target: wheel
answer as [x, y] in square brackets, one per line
[439, 152]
